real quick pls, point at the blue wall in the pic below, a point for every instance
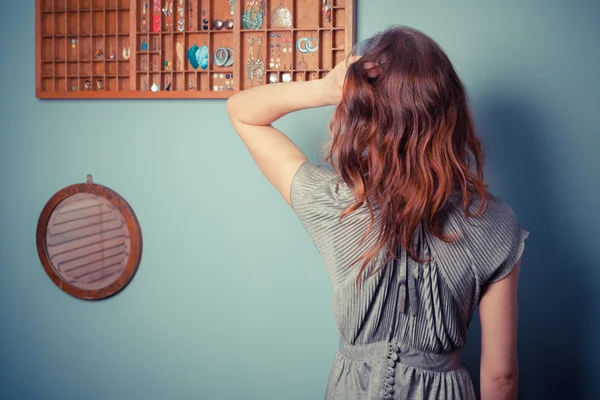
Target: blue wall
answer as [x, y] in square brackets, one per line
[232, 300]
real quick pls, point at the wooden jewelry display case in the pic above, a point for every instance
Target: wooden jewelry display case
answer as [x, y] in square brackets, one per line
[185, 48]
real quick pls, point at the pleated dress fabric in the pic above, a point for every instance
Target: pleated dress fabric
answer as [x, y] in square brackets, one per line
[402, 334]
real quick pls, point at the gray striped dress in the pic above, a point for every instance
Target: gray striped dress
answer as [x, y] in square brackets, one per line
[401, 336]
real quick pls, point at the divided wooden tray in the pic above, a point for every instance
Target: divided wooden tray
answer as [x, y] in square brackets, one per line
[166, 48]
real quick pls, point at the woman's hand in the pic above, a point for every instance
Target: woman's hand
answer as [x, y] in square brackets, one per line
[332, 84]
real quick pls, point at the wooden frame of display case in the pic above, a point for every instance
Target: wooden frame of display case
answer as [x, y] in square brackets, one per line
[95, 48]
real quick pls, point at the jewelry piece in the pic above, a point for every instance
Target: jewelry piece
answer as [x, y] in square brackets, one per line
[229, 62]
[312, 45]
[202, 57]
[286, 77]
[250, 64]
[253, 16]
[307, 45]
[126, 52]
[192, 56]
[154, 87]
[259, 65]
[100, 50]
[179, 51]
[181, 10]
[232, 6]
[191, 13]
[100, 84]
[228, 24]
[73, 43]
[302, 65]
[217, 24]
[168, 86]
[273, 77]
[156, 23]
[87, 84]
[144, 45]
[220, 57]
[282, 17]
[144, 12]
[204, 21]
[327, 9]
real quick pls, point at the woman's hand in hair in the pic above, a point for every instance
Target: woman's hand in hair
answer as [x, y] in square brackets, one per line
[333, 82]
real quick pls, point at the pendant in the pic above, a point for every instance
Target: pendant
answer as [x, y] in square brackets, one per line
[282, 17]
[202, 57]
[192, 56]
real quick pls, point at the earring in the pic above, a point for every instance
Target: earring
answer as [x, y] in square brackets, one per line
[311, 48]
[126, 52]
[220, 57]
[228, 24]
[217, 24]
[253, 16]
[202, 57]
[192, 56]
[229, 62]
[259, 65]
[250, 64]
[301, 45]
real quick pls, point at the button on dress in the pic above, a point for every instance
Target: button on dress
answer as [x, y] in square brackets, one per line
[402, 334]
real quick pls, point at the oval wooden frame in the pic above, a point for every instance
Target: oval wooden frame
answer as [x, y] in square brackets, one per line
[135, 233]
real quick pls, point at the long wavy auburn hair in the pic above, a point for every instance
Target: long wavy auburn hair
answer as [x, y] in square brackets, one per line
[404, 140]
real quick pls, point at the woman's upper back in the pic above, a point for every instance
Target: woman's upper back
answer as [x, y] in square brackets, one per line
[427, 306]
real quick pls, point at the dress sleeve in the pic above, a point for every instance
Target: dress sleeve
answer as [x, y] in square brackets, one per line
[496, 243]
[313, 198]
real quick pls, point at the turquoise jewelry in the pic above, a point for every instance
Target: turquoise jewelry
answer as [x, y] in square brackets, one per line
[144, 45]
[282, 17]
[192, 56]
[202, 57]
[307, 45]
[253, 15]
[232, 6]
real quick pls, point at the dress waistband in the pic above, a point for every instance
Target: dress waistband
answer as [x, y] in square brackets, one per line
[396, 353]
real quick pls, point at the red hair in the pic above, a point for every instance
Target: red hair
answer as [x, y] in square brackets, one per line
[404, 139]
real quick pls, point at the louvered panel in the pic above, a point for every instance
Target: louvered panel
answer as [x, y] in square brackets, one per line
[87, 241]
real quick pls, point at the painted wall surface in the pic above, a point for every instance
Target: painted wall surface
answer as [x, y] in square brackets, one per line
[232, 300]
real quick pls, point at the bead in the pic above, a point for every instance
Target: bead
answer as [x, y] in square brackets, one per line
[395, 348]
[215, 76]
[227, 76]
[215, 88]
[394, 356]
[278, 34]
[221, 76]
[390, 381]
[389, 390]
[390, 363]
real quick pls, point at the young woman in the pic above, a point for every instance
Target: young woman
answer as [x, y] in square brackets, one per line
[412, 239]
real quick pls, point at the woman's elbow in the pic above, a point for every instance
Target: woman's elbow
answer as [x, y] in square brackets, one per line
[499, 383]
